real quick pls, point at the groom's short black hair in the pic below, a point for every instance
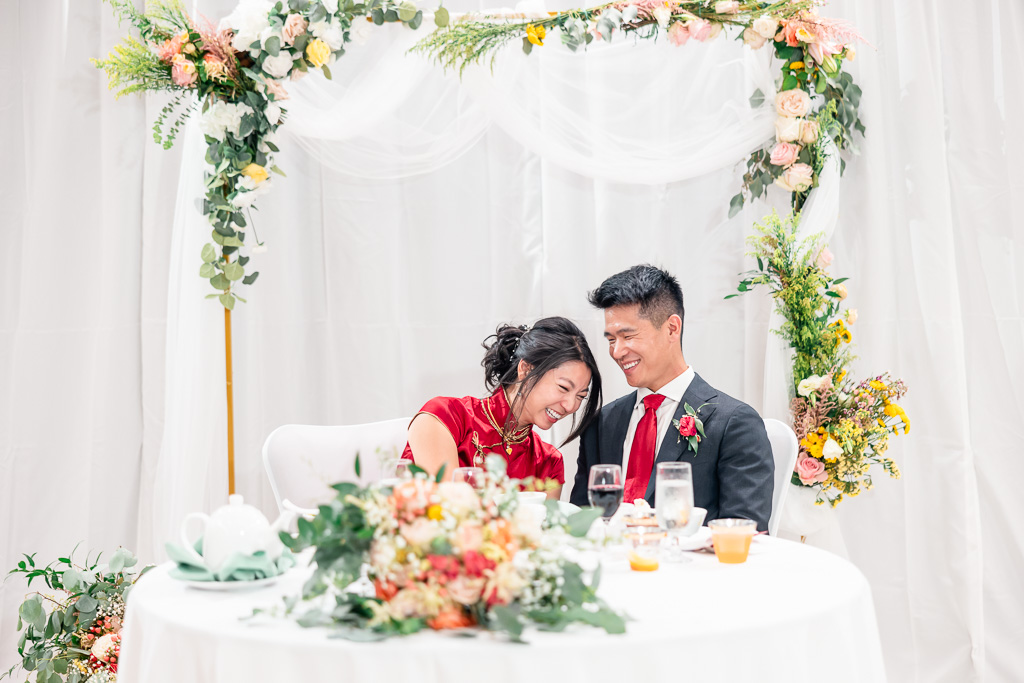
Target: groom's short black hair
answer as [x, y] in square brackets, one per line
[657, 293]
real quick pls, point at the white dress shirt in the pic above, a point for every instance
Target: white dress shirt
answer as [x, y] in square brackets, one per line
[673, 393]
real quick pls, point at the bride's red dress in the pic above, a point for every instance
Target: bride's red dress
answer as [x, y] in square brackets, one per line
[478, 427]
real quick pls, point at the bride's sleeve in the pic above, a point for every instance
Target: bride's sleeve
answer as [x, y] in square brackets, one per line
[551, 465]
[450, 412]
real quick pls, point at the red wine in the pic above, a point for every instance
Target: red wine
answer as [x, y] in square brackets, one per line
[608, 497]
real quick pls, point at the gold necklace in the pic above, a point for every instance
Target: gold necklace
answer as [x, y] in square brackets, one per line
[507, 440]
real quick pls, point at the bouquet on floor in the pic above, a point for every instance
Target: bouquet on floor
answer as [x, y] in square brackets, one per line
[72, 630]
[843, 425]
[447, 555]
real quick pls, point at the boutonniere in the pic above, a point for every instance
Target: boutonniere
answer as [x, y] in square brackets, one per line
[690, 427]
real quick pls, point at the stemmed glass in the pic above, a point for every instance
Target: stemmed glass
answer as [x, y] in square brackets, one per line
[474, 476]
[673, 495]
[604, 489]
[394, 471]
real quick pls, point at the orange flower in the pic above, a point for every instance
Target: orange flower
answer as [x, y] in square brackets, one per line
[450, 618]
[385, 590]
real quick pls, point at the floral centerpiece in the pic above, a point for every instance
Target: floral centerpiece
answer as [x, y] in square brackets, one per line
[72, 631]
[447, 555]
[843, 425]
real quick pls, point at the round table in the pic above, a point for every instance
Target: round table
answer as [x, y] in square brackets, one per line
[791, 613]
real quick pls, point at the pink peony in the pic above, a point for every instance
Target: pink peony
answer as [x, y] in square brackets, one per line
[792, 102]
[469, 536]
[784, 154]
[171, 47]
[810, 470]
[699, 29]
[293, 28]
[183, 72]
[466, 591]
[824, 259]
[420, 533]
[678, 34]
[796, 178]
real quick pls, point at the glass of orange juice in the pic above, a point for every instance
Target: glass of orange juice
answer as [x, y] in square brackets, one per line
[646, 549]
[731, 538]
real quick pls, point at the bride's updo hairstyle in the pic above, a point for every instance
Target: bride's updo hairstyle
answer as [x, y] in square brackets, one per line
[548, 344]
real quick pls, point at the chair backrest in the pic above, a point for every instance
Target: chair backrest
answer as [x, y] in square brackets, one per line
[302, 461]
[784, 450]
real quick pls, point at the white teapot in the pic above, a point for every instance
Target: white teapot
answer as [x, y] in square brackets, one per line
[235, 528]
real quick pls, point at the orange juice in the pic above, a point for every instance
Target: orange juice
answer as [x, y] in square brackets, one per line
[731, 538]
[641, 563]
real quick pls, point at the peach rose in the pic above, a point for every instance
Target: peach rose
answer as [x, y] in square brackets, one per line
[459, 497]
[824, 259]
[788, 129]
[294, 27]
[727, 7]
[103, 645]
[851, 53]
[678, 34]
[183, 71]
[171, 47]
[792, 102]
[840, 289]
[765, 26]
[466, 591]
[469, 536]
[809, 132]
[851, 316]
[796, 178]
[411, 497]
[420, 533]
[810, 470]
[716, 29]
[754, 39]
[784, 154]
[276, 89]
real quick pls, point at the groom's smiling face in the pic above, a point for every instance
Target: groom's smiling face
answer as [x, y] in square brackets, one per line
[648, 354]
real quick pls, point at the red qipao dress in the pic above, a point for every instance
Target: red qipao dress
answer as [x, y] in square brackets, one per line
[478, 427]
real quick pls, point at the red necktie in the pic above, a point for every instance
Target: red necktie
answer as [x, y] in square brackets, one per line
[641, 454]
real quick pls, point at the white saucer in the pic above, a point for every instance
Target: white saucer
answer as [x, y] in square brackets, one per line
[230, 586]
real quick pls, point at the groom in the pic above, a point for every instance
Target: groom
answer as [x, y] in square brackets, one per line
[733, 468]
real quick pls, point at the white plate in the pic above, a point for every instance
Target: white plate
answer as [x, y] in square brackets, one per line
[698, 540]
[230, 586]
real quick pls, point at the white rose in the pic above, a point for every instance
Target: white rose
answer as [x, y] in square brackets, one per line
[222, 117]
[248, 21]
[831, 449]
[278, 66]
[273, 112]
[662, 14]
[528, 519]
[766, 26]
[271, 32]
[100, 647]
[258, 249]
[806, 386]
[332, 34]
[754, 39]
[330, 5]
[360, 33]
[788, 129]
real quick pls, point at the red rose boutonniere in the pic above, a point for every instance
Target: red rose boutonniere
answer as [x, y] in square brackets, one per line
[690, 427]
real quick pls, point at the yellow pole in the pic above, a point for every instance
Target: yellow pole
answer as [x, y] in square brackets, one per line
[231, 407]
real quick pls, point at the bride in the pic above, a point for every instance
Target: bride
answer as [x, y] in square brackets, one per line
[537, 376]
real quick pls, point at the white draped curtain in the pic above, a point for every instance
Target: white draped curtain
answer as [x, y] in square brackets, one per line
[420, 211]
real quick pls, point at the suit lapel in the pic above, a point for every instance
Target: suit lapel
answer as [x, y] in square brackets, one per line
[672, 448]
[614, 436]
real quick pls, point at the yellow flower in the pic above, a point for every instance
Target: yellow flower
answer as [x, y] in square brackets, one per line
[839, 377]
[256, 172]
[536, 34]
[846, 336]
[796, 66]
[876, 385]
[434, 512]
[317, 53]
[805, 36]
[851, 53]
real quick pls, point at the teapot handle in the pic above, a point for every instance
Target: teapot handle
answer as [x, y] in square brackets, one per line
[188, 544]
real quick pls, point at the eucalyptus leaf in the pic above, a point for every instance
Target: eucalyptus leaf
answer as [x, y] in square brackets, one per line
[441, 17]
[233, 271]
[580, 522]
[207, 270]
[209, 253]
[218, 281]
[227, 301]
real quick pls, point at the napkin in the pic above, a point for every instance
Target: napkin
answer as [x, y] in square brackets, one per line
[239, 567]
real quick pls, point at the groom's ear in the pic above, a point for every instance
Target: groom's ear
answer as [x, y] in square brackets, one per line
[675, 327]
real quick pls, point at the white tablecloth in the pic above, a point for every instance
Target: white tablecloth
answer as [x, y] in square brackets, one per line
[792, 613]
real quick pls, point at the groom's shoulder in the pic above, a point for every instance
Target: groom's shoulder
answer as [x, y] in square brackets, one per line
[610, 410]
[728, 404]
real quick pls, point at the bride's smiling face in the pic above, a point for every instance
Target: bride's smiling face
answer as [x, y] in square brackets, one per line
[558, 394]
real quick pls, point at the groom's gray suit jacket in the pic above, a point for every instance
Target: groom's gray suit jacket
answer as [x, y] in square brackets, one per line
[733, 469]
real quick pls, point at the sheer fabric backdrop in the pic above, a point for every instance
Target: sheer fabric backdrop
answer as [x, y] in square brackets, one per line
[426, 212]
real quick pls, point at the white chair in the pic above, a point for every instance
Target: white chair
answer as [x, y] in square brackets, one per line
[302, 461]
[784, 450]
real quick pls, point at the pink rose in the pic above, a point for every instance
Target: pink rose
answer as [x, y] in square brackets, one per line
[796, 178]
[183, 72]
[699, 29]
[276, 89]
[792, 102]
[727, 7]
[469, 536]
[788, 129]
[466, 591]
[824, 259]
[754, 39]
[171, 47]
[678, 34]
[810, 470]
[294, 27]
[784, 154]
